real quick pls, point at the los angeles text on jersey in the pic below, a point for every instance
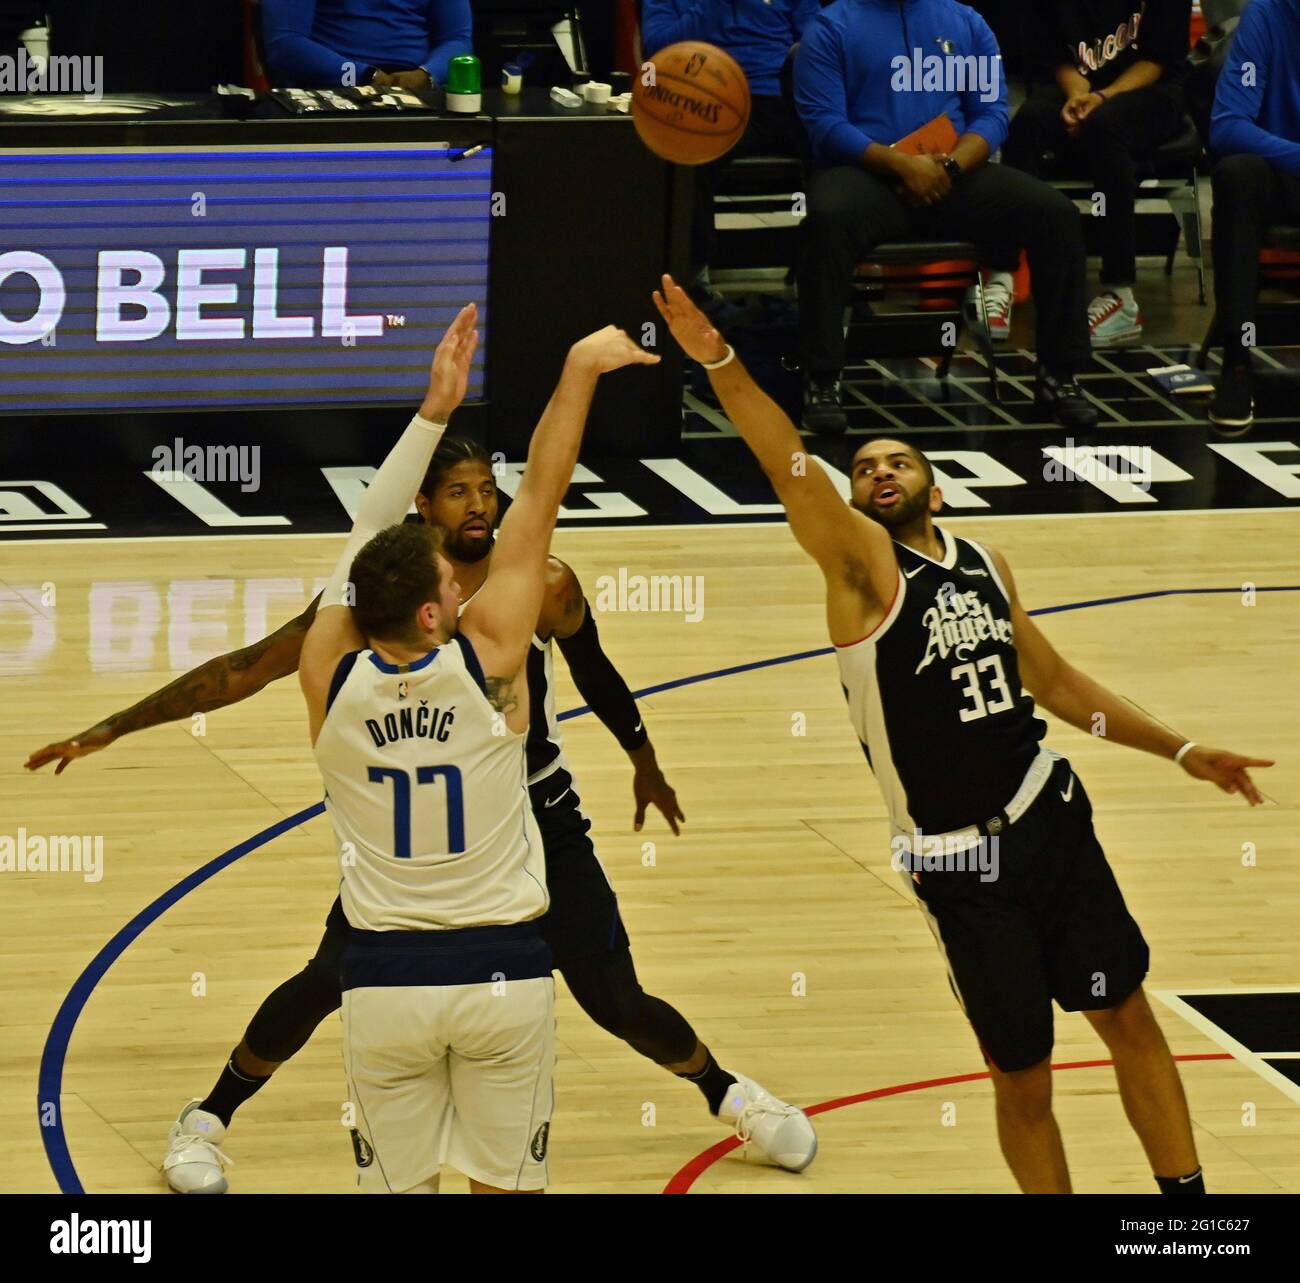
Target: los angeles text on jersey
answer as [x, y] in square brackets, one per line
[77, 1237]
[958, 623]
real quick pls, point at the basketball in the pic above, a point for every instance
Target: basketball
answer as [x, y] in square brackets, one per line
[690, 103]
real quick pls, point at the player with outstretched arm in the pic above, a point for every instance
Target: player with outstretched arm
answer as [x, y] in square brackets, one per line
[940, 665]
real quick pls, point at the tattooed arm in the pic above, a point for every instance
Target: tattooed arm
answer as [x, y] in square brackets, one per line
[227, 679]
[503, 692]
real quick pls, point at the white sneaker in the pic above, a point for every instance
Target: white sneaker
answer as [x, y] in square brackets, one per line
[781, 1133]
[999, 296]
[1114, 319]
[194, 1164]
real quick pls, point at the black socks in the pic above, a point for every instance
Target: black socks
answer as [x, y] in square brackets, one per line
[231, 1090]
[713, 1081]
[1178, 1185]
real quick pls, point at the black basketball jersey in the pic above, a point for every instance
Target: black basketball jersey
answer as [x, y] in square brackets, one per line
[543, 750]
[934, 693]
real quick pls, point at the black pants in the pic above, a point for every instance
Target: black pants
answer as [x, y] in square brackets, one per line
[771, 132]
[1000, 209]
[1249, 193]
[1106, 147]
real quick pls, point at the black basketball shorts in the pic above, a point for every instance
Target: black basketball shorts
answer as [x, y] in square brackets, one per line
[1051, 924]
[583, 920]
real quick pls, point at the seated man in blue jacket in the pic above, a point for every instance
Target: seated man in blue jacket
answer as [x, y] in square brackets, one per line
[758, 34]
[328, 44]
[869, 73]
[1255, 128]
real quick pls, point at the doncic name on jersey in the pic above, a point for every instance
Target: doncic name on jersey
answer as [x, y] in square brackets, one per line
[424, 721]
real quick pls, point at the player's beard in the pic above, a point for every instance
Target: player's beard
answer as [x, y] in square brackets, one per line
[468, 549]
[910, 509]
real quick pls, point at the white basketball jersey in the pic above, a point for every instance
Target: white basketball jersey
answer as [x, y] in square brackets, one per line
[430, 806]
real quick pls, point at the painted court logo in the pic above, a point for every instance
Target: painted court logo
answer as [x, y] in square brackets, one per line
[75, 1237]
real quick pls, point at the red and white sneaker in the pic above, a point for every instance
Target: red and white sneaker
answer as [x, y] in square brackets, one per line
[998, 298]
[1114, 319]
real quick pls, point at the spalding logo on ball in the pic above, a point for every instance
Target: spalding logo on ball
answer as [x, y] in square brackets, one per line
[690, 103]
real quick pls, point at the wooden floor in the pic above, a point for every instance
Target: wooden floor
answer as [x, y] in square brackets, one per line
[782, 872]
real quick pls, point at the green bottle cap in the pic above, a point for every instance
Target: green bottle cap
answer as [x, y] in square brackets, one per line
[464, 75]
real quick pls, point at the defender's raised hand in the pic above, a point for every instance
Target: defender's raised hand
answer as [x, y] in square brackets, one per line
[688, 325]
[1224, 769]
[610, 349]
[449, 374]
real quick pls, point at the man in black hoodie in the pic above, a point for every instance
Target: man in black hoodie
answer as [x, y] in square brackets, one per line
[1110, 90]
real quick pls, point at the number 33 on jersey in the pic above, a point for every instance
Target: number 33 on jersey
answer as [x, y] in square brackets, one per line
[934, 692]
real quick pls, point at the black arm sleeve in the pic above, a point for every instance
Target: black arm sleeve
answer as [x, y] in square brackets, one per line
[600, 684]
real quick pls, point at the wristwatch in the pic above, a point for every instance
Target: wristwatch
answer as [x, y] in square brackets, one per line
[953, 168]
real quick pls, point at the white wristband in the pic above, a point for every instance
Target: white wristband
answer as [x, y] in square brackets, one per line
[1178, 757]
[717, 365]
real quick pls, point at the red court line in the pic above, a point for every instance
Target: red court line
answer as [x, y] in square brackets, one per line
[686, 1176]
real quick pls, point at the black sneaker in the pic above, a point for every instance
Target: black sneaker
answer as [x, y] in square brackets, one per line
[822, 411]
[1063, 399]
[1233, 405]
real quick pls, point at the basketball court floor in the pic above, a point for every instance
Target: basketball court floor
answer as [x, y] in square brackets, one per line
[774, 922]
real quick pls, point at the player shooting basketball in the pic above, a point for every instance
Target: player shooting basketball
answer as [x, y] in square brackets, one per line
[939, 661]
[589, 943]
[418, 723]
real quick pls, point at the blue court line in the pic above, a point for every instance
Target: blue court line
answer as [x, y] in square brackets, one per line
[54, 1055]
[830, 650]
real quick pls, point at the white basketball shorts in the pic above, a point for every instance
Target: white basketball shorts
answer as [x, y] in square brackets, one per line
[451, 1074]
